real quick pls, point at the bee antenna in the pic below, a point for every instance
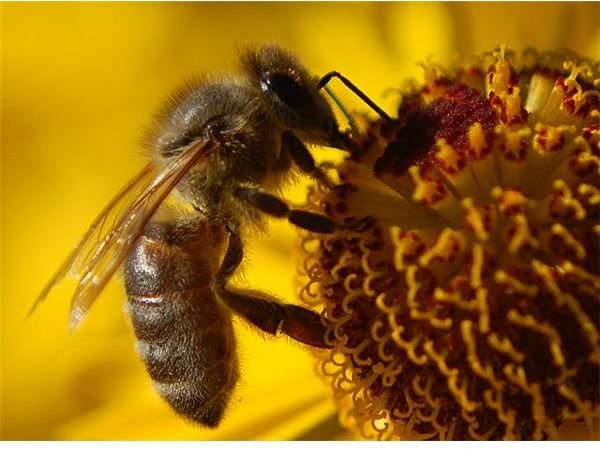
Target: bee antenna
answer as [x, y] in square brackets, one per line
[333, 74]
[344, 111]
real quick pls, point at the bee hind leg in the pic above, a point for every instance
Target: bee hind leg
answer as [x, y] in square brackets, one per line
[262, 310]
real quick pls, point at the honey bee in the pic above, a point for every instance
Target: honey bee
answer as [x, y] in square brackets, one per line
[223, 145]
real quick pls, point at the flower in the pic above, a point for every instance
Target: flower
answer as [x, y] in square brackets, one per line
[461, 292]
[64, 157]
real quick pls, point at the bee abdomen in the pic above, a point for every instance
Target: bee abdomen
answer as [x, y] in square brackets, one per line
[151, 318]
[193, 401]
[185, 337]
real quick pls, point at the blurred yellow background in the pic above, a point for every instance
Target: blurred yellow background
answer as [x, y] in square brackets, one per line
[79, 83]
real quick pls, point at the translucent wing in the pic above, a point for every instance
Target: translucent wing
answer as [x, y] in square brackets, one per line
[113, 233]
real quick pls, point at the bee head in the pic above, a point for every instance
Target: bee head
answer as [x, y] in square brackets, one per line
[290, 93]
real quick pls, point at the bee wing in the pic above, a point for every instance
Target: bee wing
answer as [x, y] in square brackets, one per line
[113, 233]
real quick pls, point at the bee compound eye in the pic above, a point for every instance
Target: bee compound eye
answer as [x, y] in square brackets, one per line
[287, 90]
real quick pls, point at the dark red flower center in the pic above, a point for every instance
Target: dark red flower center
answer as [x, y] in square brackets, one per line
[448, 117]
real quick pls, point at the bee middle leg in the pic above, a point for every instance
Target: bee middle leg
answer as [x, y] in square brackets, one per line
[263, 311]
[276, 207]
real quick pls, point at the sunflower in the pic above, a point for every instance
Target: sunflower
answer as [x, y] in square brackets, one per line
[79, 82]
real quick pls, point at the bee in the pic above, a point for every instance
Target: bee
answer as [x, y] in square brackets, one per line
[224, 145]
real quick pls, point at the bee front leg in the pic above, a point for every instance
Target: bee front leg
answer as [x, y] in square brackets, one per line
[303, 158]
[276, 207]
[264, 311]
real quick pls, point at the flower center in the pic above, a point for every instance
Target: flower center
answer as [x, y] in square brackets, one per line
[448, 117]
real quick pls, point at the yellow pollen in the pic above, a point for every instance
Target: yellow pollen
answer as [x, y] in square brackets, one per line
[487, 373]
[344, 261]
[521, 235]
[514, 140]
[591, 193]
[405, 247]
[585, 276]
[459, 392]
[426, 191]
[501, 277]
[409, 347]
[445, 248]
[476, 139]
[449, 156]
[545, 273]
[484, 312]
[506, 416]
[477, 265]
[547, 330]
[581, 406]
[415, 312]
[503, 345]
[552, 137]
[501, 72]
[560, 231]
[513, 104]
[510, 201]
[517, 376]
[571, 82]
[454, 298]
[566, 201]
[474, 218]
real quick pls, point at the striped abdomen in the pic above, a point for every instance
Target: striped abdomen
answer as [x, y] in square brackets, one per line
[185, 337]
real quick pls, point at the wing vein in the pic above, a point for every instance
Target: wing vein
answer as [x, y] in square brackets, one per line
[101, 250]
